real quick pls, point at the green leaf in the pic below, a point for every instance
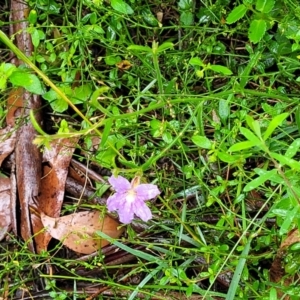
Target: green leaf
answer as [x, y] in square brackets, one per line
[236, 14]
[288, 220]
[140, 48]
[187, 18]
[293, 148]
[283, 160]
[241, 146]
[257, 30]
[246, 72]
[254, 125]
[275, 122]
[249, 135]
[224, 110]
[121, 7]
[165, 46]
[220, 69]
[35, 37]
[195, 61]
[29, 81]
[202, 141]
[265, 6]
[228, 158]
[253, 184]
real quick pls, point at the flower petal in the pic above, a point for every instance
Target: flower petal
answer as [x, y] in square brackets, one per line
[120, 184]
[142, 211]
[116, 201]
[126, 214]
[146, 191]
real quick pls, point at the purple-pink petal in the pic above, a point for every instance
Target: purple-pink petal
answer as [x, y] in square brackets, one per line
[146, 192]
[142, 211]
[114, 202]
[120, 184]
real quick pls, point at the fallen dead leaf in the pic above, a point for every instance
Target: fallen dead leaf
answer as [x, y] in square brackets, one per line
[78, 231]
[5, 209]
[52, 188]
[7, 142]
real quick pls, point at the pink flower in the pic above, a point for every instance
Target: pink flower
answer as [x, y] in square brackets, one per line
[130, 198]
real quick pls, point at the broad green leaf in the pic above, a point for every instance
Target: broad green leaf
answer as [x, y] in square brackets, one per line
[195, 61]
[257, 30]
[202, 141]
[6, 69]
[187, 18]
[224, 110]
[81, 93]
[253, 184]
[140, 48]
[121, 7]
[185, 4]
[283, 160]
[220, 69]
[236, 14]
[249, 135]
[29, 81]
[293, 148]
[59, 105]
[265, 6]
[275, 122]
[241, 146]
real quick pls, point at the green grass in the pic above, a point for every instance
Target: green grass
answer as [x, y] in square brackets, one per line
[209, 116]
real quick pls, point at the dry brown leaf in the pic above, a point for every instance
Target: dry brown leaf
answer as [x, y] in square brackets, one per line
[5, 209]
[78, 231]
[7, 142]
[52, 189]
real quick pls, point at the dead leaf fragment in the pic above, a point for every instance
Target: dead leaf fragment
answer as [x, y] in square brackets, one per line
[52, 188]
[5, 209]
[7, 142]
[78, 231]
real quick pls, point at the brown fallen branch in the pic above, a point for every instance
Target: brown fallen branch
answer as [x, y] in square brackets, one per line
[28, 156]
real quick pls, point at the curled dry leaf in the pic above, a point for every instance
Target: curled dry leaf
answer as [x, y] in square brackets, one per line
[7, 142]
[78, 231]
[52, 189]
[5, 209]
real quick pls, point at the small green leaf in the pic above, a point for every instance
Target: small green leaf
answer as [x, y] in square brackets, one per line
[148, 17]
[283, 160]
[32, 17]
[195, 61]
[241, 146]
[253, 184]
[220, 69]
[121, 7]
[202, 141]
[224, 110]
[254, 125]
[165, 46]
[140, 48]
[35, 37]
[249, 135]
[265, 6]
[257, 30]
[288, 220]
[275, 122]
[293, 148]
[187, 18]
[236, 14]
